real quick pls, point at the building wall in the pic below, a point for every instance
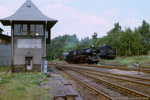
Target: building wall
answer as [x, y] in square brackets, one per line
[5, 54]
[21, 53]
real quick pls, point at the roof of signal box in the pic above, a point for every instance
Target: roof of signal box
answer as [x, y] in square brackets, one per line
[28, 12]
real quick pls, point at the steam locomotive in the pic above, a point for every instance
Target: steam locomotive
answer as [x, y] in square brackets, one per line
[88, 55]
[107, 52]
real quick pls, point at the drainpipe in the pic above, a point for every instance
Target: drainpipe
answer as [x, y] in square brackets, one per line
[45, 39]
[44, 55]
[12, 48]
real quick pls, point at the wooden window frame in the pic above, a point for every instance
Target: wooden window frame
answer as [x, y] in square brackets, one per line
[28, 30]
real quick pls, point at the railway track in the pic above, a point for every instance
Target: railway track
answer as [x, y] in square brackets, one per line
[123, 66]
[128, 83]
[118, 76]
[129, 91]
[90, 87]
[116, 67]
[112, 74]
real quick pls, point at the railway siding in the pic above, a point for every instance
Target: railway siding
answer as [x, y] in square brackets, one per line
[117, 67]
[118, 86]
[133, 92]
[117, 77]
[135, 85]
[94, 89]
[100, 71]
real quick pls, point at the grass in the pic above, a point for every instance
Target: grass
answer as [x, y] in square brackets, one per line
[5, 69]
[129, 61]
[22, 86]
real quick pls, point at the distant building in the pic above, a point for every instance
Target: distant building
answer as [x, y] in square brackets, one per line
[5, 39]
[5, 50]
[31, 31]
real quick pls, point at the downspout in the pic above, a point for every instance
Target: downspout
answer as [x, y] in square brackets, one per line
[12, 48]
[44, 55]
[45, 39]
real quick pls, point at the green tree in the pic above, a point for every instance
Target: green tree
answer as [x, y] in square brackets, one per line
[137, 43]
[60, 45]
[113, 36]
[84, 43]
[94, 39]
[145, 33]
[125, 42]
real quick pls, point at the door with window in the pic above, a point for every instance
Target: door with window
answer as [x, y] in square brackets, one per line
[29, 63]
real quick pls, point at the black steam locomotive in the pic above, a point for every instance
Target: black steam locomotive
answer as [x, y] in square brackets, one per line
[107, 52]
[88, 55]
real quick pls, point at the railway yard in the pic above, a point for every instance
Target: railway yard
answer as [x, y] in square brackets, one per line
[85, 57]
[95, 82]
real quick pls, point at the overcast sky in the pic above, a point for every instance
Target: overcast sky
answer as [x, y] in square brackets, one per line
[84, 17]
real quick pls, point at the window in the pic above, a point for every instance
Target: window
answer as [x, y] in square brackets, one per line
[28, 29]
[32, 29]
[17, 29]
[39, 30]
[25, 29]
[29, 43]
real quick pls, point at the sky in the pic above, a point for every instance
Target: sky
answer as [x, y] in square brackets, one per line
[84, 17]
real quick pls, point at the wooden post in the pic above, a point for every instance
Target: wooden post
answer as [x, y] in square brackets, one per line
[138, 67]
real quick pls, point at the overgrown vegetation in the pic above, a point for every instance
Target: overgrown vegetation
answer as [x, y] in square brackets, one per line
[126, 42]
[128, 61]
[5, 69]
[22, 86]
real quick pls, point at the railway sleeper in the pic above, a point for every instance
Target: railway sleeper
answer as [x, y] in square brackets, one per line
[60, 97]
[119, 87]
[71, 94]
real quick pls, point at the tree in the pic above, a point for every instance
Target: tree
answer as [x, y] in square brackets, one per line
[125, 42]
[61, 44]
[113, 36]
[84, 43]
[137, 44]
[94, 39]
[145, 33]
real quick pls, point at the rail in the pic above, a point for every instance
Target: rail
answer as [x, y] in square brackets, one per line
[133, 92]
[90, 87]
[114, 67]
[137, 82]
